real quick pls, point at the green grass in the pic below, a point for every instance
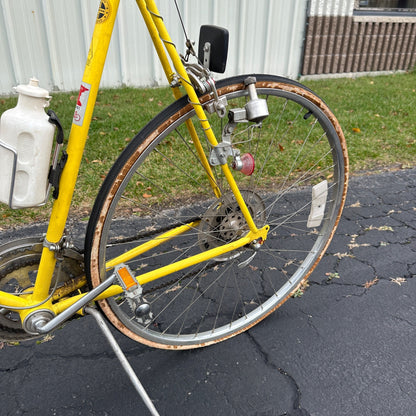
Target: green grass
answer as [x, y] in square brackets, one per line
[377, 115]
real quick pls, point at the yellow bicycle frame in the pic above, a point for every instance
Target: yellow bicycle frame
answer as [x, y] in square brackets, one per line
[76, 143]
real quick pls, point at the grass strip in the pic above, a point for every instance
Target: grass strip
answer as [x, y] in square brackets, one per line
[377, 115]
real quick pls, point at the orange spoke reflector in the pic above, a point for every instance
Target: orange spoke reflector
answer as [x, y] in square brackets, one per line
[127, 278]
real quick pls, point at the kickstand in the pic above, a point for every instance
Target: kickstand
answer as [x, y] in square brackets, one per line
[123, 360]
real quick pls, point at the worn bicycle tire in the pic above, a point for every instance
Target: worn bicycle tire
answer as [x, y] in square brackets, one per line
[100, 221]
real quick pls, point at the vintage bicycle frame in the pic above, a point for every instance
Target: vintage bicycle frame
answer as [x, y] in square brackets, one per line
[38, 299]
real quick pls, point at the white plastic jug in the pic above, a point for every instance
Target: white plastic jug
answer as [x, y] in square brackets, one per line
[26, 132]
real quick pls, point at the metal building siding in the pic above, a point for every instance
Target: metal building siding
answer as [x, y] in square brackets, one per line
[331, 8]
[49, 39]
[7, 78]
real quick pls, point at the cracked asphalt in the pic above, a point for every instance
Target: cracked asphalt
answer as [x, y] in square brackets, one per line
[345, 347]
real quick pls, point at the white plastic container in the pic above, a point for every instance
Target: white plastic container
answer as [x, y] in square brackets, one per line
[26, 132]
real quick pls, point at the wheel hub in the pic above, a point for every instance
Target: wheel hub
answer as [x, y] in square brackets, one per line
[231, 226]
[224, 222]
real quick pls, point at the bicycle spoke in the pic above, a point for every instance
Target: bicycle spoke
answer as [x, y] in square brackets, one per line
[296, 190]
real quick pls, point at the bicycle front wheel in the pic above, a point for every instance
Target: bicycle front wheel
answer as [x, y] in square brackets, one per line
[158, 184]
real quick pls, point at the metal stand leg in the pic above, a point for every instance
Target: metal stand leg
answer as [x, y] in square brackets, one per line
[123, 360]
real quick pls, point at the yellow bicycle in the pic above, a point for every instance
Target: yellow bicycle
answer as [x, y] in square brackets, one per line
[210, 219]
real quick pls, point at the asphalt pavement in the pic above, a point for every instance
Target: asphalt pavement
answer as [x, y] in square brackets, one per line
[345, 347]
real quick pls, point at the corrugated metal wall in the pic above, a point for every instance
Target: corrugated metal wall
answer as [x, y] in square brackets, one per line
[331, 7]
[50, 39]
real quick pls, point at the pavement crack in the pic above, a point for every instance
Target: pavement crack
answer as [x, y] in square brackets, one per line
[342, 284]
[309, 321]
[406, 321]
[18, 366]
[297, 407]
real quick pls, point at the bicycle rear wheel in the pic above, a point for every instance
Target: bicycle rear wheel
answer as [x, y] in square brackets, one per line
[298, 188]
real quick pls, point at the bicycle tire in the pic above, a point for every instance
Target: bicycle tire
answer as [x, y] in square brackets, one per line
[299, 146]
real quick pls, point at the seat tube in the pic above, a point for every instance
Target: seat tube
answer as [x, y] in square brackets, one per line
[97, 53]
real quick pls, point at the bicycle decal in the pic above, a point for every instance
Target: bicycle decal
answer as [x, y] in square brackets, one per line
[81, 105]
[104, 11]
